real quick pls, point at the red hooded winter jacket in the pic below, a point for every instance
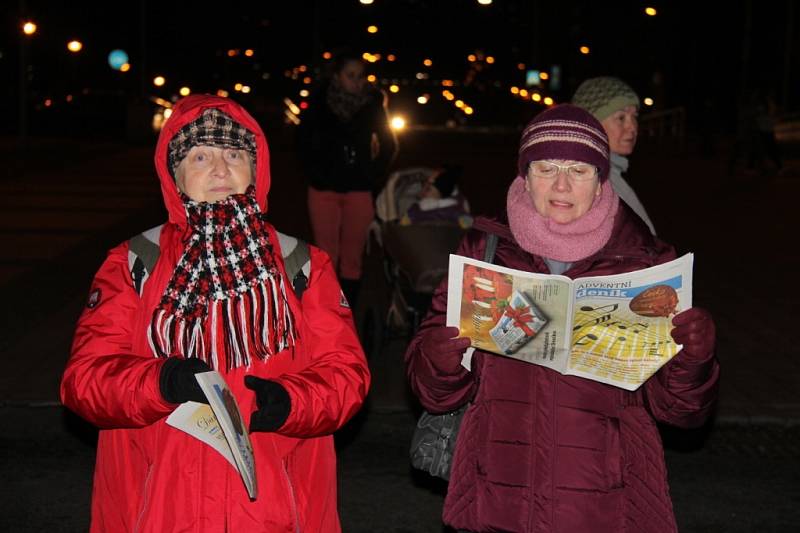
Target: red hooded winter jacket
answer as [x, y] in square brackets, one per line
[150, 477]
[538, 451]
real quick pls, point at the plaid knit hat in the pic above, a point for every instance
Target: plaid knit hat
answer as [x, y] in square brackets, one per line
[212, 128]
[564, 132]
[604, 95]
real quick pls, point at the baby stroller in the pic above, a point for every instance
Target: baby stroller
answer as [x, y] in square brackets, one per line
[415, 253]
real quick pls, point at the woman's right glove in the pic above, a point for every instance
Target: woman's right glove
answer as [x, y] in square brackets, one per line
[444, 348]
[177, 382]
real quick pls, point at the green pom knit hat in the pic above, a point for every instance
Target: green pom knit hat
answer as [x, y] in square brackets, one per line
[604, 95]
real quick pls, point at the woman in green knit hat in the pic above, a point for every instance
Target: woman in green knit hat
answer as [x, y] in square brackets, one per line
[615, 104]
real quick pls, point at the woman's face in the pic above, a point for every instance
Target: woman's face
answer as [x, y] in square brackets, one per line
[352, 77]
[562, 198]
[622, 127]
[210, 174]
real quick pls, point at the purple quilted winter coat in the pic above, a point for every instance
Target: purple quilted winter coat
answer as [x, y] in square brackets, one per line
[541, 452]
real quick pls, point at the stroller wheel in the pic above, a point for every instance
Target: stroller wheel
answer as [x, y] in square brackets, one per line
[372, 332]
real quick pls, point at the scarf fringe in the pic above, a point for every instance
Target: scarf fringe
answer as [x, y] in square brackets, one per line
[256, 322]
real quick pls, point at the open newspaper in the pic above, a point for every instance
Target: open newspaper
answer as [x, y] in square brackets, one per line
[612, 329]
[220, 425]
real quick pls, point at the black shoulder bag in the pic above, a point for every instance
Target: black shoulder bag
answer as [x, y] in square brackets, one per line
[433, 443]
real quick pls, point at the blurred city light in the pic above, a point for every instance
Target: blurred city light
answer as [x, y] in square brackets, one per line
[304, 93]
[326, 55]
[485, 2]
[489, 59]
[371, 78]
[536, 97]
[514, 89]
[249, 52]
[159, 81]
[245, 89]
[125, 67]
[423, 99]
[427, 62]
[372, 29]
[394, 88]
[471, 58]
[390, 57]
[548, 100]
[238, 87]
[117, 58]
[29, 28]
[222, 93]
[468, 110]
[648, 101]
[398, 123]
[544, 75]
[520, 66]
[584, 50]
[366, 2]
[74, 46]
[184, 91]
[651, 11]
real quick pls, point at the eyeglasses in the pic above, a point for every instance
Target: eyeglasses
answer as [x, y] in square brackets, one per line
[548, 170]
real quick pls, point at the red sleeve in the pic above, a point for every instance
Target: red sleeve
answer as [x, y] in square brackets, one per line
[105, 382]
[439, 392]
[327, 392]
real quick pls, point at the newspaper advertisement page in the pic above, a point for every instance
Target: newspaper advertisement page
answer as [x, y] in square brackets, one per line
[198, 420]
[612, 329]
[622, 323]
[510, 312]
[233, 426]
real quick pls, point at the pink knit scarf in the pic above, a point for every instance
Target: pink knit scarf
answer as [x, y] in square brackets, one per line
[563, 242]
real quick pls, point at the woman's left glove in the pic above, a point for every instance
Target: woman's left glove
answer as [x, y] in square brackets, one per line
[274, 404]
[695, 330]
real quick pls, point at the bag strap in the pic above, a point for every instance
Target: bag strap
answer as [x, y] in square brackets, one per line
[491, 247]
[144, 249]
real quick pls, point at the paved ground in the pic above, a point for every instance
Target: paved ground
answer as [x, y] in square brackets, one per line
[63, 208]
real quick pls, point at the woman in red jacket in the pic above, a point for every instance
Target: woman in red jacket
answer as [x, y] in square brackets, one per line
[218, 297]
[539, 451]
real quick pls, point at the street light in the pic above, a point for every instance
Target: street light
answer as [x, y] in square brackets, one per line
[584, 50]
[159, 81]
[74, 46]
[650, 11]
[29, 28]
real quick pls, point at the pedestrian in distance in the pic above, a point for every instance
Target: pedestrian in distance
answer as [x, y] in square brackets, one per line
[217, 298]
[538, 451]
[346, 146]
[616, 105]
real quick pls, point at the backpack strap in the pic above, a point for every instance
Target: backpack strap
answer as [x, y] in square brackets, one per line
[297, 261]
[143, 252]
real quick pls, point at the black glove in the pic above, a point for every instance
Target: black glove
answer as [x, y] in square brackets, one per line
[274, 404]
[177, 382]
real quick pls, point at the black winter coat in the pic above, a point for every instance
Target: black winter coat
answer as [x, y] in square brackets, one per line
[337, 156]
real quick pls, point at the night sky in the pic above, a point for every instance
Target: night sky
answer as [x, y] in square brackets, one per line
[698, 55]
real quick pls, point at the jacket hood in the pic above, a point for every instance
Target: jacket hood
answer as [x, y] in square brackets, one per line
[188, 109]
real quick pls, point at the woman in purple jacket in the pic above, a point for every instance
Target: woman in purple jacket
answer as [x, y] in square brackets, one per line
[539, 451]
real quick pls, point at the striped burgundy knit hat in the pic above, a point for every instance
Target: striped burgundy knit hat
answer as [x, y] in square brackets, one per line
[564, 132]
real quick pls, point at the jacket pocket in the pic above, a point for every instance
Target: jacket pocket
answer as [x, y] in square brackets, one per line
[587, 455]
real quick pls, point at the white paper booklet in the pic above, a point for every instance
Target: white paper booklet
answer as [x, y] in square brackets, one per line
[612, 329]
[220, 425]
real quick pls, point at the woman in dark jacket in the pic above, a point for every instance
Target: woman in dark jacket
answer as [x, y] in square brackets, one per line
[539, 451]
[346, 145]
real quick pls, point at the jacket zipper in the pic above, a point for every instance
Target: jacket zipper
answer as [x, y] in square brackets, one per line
[146, 501]
[291, 497]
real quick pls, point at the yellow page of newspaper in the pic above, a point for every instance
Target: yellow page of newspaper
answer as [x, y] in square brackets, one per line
[622, 323]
